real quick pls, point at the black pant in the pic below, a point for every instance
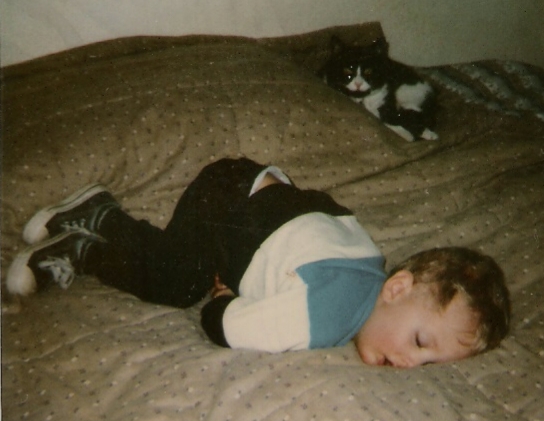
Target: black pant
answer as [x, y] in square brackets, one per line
[215, 229]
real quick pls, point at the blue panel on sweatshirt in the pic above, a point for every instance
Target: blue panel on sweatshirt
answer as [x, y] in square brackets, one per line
[341, 296]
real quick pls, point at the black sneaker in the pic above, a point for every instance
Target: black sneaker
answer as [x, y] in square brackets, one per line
[83, 209]
[59, 259]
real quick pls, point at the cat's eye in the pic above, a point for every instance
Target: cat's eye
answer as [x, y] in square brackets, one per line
[348, 71]
[367, 72]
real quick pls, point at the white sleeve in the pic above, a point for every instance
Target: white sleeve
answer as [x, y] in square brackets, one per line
[275, 324]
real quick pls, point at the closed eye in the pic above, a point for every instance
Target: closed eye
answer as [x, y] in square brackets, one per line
[425, 340]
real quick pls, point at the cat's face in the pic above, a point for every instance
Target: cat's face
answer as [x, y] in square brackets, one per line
[358, 77]
[356, 69]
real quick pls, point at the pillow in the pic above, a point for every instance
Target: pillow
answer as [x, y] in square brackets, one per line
[144, 121]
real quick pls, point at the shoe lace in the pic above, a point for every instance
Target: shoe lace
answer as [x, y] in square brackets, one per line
[61, 269]
[74, 225]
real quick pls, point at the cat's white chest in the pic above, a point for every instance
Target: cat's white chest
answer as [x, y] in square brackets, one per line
[410, 97]
[374, 100]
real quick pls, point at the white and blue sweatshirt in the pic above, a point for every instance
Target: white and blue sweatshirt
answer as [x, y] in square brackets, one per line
[311, 284]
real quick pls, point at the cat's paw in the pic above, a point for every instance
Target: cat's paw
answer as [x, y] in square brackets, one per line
[429, 135]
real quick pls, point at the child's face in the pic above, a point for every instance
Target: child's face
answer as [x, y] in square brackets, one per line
[407, 328]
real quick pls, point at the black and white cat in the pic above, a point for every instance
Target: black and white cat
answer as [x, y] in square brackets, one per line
[390, 90]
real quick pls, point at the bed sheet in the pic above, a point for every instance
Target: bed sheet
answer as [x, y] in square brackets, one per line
[143, 116]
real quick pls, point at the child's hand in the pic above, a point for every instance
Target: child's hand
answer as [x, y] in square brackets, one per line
[226, 291]
[219, 288]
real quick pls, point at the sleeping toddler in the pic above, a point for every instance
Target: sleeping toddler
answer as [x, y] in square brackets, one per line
[287, 269]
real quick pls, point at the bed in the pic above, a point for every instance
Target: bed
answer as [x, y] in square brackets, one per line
[144, 114]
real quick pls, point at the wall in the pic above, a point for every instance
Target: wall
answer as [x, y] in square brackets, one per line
[423, 32]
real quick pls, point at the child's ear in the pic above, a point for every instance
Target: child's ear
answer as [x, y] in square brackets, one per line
[398, 285]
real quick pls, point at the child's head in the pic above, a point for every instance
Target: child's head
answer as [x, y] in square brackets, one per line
[439, 305]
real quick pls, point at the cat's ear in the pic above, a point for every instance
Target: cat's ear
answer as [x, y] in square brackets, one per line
[337, 44]
[380, 46]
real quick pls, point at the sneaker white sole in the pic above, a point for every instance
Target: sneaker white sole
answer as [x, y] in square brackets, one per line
[35, 229]
[20, 279]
